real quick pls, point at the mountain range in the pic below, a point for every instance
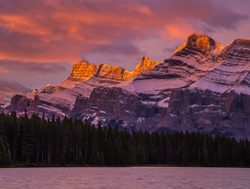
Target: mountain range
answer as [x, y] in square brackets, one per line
[9, 89]
[203, 87]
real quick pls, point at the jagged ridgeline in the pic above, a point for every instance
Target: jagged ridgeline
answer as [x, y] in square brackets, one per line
[203, 86]
[37, 141]
[83, 70]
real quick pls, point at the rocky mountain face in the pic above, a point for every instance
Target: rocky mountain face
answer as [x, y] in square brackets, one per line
[205, 111]
[119, 107]
[202, 87]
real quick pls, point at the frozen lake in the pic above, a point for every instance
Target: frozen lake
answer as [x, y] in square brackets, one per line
[123, 178]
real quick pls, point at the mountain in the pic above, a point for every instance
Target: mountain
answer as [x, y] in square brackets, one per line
[60, 100]
[151, 90]
[202, 87]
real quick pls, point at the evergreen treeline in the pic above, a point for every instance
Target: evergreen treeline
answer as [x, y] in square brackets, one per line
[37, 141]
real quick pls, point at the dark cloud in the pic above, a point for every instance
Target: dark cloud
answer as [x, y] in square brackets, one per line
[42, 68]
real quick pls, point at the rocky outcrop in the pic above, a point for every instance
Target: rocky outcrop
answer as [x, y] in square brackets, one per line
[84, 70]
[144, 66]
[21, 104]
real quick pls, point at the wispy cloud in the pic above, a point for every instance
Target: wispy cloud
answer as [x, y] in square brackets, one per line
[43, 68]
[12, 85]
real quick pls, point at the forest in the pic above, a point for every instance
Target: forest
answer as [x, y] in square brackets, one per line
[35, 141]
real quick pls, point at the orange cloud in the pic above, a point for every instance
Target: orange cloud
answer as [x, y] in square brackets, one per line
[63, 35]
[22, 24]
[56, 30]
[179, 29]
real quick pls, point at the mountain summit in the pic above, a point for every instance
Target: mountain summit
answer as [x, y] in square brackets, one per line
[201, 43]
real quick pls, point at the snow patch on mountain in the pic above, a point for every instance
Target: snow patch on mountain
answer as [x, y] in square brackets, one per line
[234, 72]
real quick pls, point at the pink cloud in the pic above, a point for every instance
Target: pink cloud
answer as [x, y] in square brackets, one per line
[179, 29]
[64, 30]
[3, 70]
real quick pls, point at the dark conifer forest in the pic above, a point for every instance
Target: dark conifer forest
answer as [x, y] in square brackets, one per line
[36, 141]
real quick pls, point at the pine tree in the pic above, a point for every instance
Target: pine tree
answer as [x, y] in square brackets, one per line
[38, 141]
[5, 157]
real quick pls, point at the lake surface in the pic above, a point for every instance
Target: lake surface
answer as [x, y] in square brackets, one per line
[124, 178]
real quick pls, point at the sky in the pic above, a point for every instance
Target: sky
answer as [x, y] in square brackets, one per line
[41, 39]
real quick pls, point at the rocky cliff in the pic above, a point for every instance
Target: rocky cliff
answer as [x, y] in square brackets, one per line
[83, 70]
